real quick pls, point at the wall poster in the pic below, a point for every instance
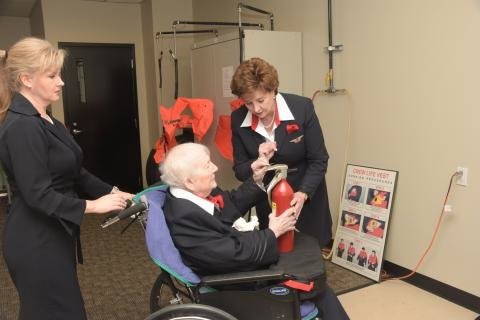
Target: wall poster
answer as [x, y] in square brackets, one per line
[363, 221]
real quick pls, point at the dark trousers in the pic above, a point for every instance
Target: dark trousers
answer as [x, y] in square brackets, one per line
[329, 306]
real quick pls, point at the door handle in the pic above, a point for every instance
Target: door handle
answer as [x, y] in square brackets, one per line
[77, 131]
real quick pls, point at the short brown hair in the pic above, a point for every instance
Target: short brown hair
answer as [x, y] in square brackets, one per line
[254, 74]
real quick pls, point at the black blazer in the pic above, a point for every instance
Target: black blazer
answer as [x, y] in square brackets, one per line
[44, 168]
[305, 154]
[208, 244]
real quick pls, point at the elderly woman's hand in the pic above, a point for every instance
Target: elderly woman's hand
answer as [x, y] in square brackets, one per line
[282, 223]
[259, 168]
[267, 149]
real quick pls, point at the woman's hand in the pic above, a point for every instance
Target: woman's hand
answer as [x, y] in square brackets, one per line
[267, 149]
[282, 223]
[108, 203]
[125, 195]
[297, 202]
[259, 168]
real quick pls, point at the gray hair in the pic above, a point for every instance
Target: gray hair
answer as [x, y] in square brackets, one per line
[181, 163]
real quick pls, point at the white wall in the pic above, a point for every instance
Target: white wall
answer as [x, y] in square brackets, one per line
[36, 21]
[412, 71]
[13, 29]
[101, 22]
[150, 66]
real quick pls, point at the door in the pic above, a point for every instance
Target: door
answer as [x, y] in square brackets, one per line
[100, 104]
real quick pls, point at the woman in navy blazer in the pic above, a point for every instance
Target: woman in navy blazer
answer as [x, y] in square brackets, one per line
[289, 123]
[43, 163]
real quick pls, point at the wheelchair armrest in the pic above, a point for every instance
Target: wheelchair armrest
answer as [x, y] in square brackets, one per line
[242, 277]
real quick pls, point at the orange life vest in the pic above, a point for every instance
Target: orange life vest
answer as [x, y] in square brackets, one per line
[199, 120]
[223, 135]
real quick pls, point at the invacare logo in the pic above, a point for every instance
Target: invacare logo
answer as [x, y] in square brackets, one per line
[279, 291]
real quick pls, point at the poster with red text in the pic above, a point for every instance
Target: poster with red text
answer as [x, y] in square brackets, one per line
[365, 210]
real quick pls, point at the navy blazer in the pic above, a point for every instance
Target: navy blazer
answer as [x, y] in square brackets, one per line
[43, 164]
[305, 154]
[208, 244]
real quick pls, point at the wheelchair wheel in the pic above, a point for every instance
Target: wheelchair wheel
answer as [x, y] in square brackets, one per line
[190, 312]
[167, 291]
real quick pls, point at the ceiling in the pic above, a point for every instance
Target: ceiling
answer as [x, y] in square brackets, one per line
[22, 8]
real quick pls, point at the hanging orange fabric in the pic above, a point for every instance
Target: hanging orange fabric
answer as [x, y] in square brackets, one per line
[223, 135]
[237, 103]
[200, 120]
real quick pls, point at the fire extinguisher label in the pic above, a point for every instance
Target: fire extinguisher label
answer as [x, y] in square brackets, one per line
[274, 208]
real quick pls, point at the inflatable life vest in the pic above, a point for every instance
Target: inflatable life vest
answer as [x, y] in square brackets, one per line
[199, 120]
[223, 136]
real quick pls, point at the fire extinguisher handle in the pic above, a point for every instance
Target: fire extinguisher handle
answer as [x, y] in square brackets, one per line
[280, 173]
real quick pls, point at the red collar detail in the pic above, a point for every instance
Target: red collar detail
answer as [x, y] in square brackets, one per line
[255, 119]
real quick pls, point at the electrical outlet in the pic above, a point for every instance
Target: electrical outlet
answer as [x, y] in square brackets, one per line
[462, 178]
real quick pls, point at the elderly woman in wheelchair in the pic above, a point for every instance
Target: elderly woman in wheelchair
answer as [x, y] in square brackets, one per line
[226, 273]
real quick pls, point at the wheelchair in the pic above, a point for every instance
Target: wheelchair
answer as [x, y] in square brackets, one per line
[286, 290]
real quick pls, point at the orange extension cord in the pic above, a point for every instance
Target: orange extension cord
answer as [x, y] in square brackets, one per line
[385, 276]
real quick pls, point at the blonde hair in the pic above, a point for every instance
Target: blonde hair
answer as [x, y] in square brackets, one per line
[5, 93]
[31, 55]
[181, 163]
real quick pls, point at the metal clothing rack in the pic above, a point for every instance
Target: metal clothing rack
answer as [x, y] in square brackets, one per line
[239, 24]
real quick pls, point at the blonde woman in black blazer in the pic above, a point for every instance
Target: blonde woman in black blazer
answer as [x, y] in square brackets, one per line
[288, 125]
[44, 168]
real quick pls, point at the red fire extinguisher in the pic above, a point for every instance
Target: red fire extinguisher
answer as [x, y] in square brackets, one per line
[280, 194]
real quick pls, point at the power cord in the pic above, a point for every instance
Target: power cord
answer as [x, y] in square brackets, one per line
[326, 253]
[386, 276]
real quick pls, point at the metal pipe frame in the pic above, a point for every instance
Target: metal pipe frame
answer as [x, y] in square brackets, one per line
[270, 14]
[217, 23]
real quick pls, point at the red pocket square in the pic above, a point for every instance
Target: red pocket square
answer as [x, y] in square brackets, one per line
[292, 127]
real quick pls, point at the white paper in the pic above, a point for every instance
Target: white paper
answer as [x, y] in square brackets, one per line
[227, 74]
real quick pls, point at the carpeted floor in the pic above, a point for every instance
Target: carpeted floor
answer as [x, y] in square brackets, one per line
[117, 275]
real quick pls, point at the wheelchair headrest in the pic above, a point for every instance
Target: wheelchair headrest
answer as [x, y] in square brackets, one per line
[159, 242]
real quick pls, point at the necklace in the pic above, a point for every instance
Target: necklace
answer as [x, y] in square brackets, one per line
[271, 122]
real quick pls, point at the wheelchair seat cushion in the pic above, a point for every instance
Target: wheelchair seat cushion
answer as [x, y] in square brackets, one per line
[304, 266]
[159, 242]
[305, 262]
